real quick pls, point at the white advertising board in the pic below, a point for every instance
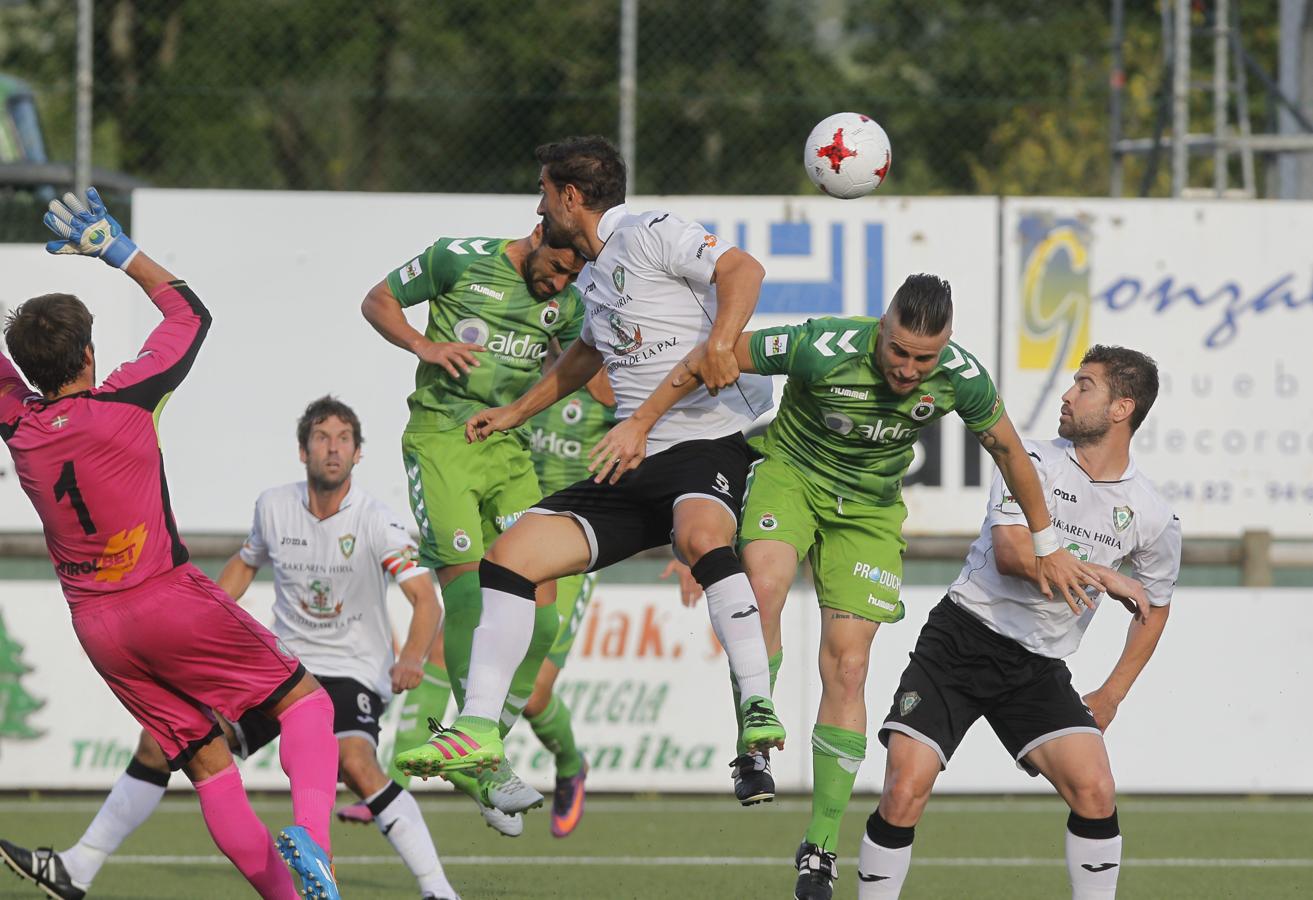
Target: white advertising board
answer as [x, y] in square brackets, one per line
[284, 273]
[1221, 295]
[649, 692]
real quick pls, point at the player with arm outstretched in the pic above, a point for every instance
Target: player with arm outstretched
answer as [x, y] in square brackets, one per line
[333, 550]
[830, 489]
[993, 647]
[168, 642]
[495, 307]
[656, 286]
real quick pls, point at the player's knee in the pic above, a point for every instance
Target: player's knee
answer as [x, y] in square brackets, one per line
[150, 756]
[1094, 795]
[845, 672]
[904, 798]
[696, 543]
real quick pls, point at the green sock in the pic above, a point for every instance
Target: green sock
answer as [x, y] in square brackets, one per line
[428, 698]
[837, 753]
[553, 728]
[775, 661]
[463, 602]
[546, 623]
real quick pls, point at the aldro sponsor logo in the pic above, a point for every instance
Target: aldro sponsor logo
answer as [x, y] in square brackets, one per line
[509, 344]
[878, 432]
[544, 441]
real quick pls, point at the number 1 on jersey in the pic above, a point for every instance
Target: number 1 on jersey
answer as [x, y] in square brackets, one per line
[67, 486]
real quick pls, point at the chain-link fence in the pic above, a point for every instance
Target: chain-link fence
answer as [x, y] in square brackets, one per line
[418, 95]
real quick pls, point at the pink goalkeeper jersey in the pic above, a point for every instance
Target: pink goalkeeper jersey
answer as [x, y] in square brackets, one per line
[91, 461]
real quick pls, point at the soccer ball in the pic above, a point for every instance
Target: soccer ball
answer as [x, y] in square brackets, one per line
[847, 155]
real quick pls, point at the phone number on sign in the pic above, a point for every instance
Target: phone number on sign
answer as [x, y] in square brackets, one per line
[1230, 492]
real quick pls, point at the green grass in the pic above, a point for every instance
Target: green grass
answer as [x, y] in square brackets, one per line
[698, 847]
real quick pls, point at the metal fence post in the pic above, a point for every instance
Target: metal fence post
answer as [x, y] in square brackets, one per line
[82, 138]
[628, 87]
[1256, 559]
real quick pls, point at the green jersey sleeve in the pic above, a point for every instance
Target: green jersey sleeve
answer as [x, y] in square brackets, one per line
[808, 351]
[572, 308]
[431, 274]
[978, 402]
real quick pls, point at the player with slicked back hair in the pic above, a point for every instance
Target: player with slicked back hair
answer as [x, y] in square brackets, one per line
[830, 489]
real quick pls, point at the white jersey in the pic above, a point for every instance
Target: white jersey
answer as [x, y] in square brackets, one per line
[649, 301]
[331, 579]
[1104, 522]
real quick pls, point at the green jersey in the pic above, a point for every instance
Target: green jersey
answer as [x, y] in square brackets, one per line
[841, 423]
[561, 436]
[476, 295]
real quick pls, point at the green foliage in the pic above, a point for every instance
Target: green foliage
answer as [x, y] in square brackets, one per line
[977, 95]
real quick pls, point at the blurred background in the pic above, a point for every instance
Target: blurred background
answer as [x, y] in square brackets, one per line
[985, 96]
[1118, 171]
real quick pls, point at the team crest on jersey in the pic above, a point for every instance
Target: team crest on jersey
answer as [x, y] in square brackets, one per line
[1121, 517]
[768, 522]
[321, 605]
[460, 540]
[908, 702]
[573, 411]
[618, 276]
[551, 312]
[411, 271]
[625, 341]
[924, 409]
[347, 544]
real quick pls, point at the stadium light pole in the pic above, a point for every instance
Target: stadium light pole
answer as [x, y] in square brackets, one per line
[83, 82]
[628, 87]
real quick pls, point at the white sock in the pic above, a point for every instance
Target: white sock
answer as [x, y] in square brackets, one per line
[741, 637]
[887, 869]
[130, 802]
[1093, 865]
[498, 647]
[403, 825]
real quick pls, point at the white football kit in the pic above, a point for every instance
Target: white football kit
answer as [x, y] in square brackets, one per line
[1104, 522]
[649, 301]
[331, 578]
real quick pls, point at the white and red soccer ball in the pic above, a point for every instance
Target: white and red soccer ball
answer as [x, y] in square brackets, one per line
[847, 155]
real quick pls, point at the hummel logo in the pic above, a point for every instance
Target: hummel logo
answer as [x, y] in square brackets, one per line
[1101, 867]
[744, 613]
[861, 875]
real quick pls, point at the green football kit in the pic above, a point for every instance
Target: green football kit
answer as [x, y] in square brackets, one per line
[830, 484]
[464, 495]
[831, 479]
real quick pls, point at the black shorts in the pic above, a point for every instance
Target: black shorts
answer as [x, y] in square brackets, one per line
[638, 512]
[961, 670]
[356, 711]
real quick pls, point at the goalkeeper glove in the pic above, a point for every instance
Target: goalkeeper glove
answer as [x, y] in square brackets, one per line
[87, 229]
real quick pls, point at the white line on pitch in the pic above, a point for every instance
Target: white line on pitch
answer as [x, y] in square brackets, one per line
[623, 806]
[952, 861]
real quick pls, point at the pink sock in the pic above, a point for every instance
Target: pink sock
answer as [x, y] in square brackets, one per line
[241, 835]
[308, 752]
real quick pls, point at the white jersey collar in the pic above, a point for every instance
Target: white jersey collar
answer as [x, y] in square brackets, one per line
[610, 220]
[347, 501]
[1071, 454]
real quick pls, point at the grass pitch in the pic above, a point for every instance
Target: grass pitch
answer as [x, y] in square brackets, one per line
[708, 847]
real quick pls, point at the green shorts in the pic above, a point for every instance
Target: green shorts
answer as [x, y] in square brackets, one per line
[572, 596]
[464, 495]
[856, 549]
